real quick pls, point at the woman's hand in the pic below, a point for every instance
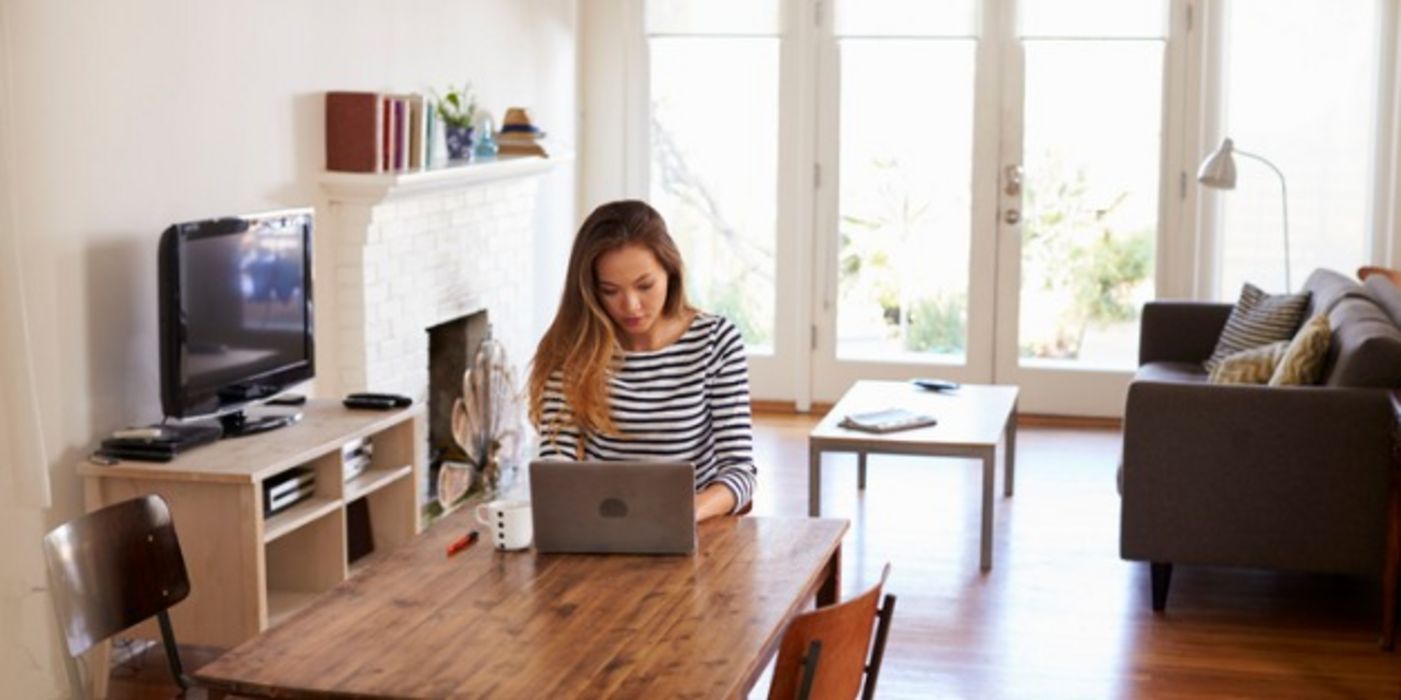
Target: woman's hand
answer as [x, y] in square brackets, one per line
[713, 500]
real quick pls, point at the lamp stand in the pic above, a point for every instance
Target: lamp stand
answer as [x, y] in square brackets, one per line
[1284, 202]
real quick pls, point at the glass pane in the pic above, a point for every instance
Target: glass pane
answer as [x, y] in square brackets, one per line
[906, 188]
[714, 174]
[1093, 18]
[756, 17]
[1299, 88]
[905, 18]
[1090, 205]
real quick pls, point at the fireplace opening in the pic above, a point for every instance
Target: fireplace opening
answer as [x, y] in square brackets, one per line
[451, 347]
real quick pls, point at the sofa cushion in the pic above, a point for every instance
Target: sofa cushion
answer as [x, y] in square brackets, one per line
[1366, 347]
[1258, 319]
[1386, 295]
[1326, 288]
[1252, 366]
[1172, 372]
[1302, 362]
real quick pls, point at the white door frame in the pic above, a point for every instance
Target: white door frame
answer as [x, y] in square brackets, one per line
[1085, 392]
[829, 376]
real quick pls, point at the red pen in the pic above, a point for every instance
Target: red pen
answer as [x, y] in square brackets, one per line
[462, 543]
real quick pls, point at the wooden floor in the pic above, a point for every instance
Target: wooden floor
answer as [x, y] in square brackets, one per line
[1059, 615]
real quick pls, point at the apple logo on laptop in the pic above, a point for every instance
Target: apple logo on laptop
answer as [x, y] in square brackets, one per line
[613, 508]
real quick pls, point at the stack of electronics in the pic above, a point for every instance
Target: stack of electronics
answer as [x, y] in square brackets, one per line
[287, 489]
[157, 443]
[355, 456]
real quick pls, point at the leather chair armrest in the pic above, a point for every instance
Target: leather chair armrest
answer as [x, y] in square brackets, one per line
[1180, 331]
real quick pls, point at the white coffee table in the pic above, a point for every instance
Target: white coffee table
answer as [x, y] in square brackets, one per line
[974, 421]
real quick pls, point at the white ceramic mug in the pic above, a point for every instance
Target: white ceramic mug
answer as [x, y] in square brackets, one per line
[509, 521]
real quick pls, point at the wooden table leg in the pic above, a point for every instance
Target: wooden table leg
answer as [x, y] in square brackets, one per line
[1010, 456]
[860, 470]
[814, 481]
[1390, 573]
[831, 579]
[1391, 570]
[989, 476]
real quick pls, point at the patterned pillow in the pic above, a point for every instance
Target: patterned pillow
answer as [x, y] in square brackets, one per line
[1258, 319]
[1253, 366]
[1303, 360]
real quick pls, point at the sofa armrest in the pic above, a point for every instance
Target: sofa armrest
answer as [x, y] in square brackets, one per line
[1271, 477]
[1180, 331]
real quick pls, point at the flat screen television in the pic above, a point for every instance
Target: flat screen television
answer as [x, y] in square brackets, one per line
[235, 315]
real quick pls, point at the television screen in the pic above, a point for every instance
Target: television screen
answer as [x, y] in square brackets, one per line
[236, 310]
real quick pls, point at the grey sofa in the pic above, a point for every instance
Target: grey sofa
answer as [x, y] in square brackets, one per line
[1291, 478]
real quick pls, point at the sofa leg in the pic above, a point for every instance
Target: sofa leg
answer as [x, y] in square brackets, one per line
[1162, 576]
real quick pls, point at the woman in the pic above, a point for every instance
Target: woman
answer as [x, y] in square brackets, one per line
[629, 370]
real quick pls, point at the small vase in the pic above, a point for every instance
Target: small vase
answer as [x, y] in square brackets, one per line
[459, 140]
[486, 143]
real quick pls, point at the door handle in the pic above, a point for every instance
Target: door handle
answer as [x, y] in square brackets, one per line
[1012, 180]
[1012, 216]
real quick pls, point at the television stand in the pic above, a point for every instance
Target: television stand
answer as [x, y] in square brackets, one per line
[250, 570]
[239, 424]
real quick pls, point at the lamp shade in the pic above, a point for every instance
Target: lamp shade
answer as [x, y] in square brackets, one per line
[1219, 169]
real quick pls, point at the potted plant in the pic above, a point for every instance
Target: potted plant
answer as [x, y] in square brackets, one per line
[456, 107]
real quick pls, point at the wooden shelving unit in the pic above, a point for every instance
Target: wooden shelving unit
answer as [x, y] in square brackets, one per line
[249, 572]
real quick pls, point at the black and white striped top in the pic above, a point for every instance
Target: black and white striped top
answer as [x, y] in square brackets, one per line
[687, 402]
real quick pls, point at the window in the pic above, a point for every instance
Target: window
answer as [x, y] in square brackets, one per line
[1298, 86]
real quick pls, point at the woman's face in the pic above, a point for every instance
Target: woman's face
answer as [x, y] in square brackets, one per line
[632, 286]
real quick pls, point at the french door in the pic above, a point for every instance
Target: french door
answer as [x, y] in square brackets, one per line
[994, 206]
[986, 195]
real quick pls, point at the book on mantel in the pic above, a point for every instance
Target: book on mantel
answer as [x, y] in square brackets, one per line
[372, 132]
[353, 129]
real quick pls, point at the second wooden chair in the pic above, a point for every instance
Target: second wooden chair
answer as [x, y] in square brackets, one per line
[826, 652]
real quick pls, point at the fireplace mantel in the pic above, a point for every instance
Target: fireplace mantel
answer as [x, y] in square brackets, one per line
[401, 252]
[377, 187]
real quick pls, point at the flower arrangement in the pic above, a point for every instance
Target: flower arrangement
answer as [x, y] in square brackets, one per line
[458, 105]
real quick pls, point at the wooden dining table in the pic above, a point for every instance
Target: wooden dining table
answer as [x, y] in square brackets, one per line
[419, 623]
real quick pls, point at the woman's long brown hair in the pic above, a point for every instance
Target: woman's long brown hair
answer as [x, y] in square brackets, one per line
[582, 343]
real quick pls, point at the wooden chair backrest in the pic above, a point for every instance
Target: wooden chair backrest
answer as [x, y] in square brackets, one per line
[113, 568]
[1391, 274]
[844, 631]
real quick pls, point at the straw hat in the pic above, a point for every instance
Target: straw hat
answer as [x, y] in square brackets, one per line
[517, 120]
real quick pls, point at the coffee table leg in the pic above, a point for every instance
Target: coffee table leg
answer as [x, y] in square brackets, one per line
[814, 480]
[1011, 455]
[989, 476]
[861, 470]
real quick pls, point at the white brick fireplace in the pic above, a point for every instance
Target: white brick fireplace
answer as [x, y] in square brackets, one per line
[399, 253]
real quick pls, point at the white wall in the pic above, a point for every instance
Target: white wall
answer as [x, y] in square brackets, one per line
[128, 116]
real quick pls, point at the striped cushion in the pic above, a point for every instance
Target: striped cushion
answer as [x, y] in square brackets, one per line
[1253, 366]
[1258, 319]
[1303, 361]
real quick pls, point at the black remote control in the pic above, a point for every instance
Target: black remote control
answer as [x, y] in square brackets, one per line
[376, 403]
[396, 400]
[935, 384]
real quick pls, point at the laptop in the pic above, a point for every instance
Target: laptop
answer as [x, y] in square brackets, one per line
[613, 507]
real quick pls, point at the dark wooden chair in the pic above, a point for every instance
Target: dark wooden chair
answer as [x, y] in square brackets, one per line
[1390, 273]
[825, 652]
[114, 568]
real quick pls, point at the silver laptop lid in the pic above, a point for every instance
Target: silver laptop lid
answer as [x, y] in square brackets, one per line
[613, 507]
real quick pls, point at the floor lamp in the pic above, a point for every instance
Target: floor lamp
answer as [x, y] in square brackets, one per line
[1218, 171]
